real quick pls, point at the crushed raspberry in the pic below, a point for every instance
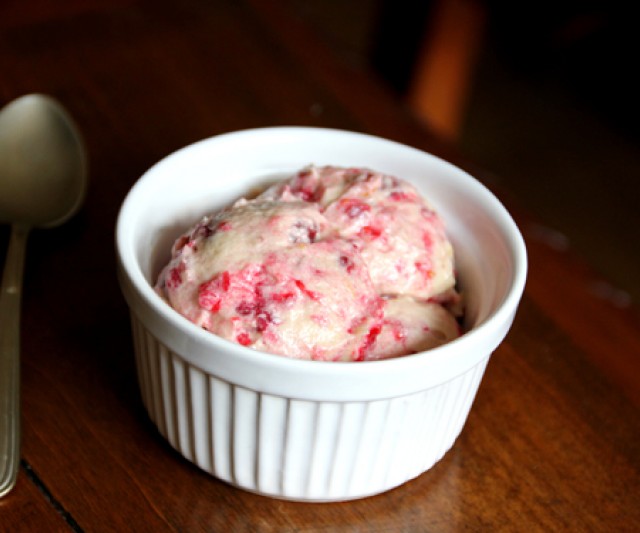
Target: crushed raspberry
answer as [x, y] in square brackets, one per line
[306, 195]
[427, 240]
[306, 188]
[174, 279]
[224, 226]
[253, 308]
[208, 299]
[401, 196]
[209, 293]
[245, 308]
[244, 339]
[368, 341]
[303, 231]
[353, 207]
[347, 263]
[263, 319]
[282, 296]
[311, 233]
[311, 294]
[370, 231]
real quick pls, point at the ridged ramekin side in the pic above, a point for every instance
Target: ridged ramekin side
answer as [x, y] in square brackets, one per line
[292, 448]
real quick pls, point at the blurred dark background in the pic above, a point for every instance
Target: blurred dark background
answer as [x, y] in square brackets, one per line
[549, 105]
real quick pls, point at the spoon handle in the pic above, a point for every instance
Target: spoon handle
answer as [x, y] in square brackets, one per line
[10, 299]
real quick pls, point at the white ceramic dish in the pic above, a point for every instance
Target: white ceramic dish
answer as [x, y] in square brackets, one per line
[310, 430]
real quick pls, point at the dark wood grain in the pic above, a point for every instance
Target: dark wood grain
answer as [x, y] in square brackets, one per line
[29, 507]
[552, 442]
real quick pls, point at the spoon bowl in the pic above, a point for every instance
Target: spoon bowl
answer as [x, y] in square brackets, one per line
[42, 163]
[43, 182]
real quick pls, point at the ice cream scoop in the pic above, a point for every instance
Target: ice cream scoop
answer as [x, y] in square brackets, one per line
[332, 264]
[43, 178]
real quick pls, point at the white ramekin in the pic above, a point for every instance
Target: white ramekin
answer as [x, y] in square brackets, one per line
[310, 430]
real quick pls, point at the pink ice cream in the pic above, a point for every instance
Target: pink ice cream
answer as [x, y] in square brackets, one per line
[332, 264]
[412, 326]
[401, 238]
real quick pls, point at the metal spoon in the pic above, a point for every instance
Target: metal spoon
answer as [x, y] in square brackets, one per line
[43, 180]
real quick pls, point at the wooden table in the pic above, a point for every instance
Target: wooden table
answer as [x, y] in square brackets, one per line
[553, 439]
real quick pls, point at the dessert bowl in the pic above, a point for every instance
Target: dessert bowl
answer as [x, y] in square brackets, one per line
[298, 429]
